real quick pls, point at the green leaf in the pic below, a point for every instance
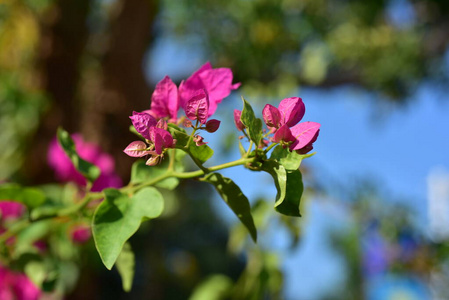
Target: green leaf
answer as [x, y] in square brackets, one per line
[290, 205]
[215, 287]
[88, 170]
[279, 174]
[253, 124]
[201, 153]
[125, 266]
[118, 217]
[30, 197]
[289, 159]
[235, 199]
[36, 271]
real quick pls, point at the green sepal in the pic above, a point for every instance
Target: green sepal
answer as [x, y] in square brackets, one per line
[119, 216]
[88, 170]
[253, 124]
[235, 199]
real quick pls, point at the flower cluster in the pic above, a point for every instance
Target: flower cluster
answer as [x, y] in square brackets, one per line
[283, 122]
[65, 171]
[198, 96]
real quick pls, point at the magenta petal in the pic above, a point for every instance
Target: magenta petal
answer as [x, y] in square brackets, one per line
[188, 88]
[164, 101]
[283, 134]
[161, 138]
[305, 134]
[136, 149]
[271, 116]
[81, 234]
[143, 122]
[197, 107]
[237, 121]
[292, 110]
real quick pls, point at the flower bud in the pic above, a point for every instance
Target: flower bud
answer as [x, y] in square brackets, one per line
[199, 140]
[238, 122]
[212, 125]
[187, 123]
[271, 116]
[162, 124]
[80, 234]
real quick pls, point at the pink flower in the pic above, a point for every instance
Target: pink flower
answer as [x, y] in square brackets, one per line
[65, 171]
[165, 101]
[290, 112]
[80, 234]
[305, 135]
[11, 209]
[217, 83]
[161, 139]
[17, 286]
[137, 149]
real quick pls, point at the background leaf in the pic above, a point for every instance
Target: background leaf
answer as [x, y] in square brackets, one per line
[88, 170]
[118, 217]
[235, 199]
[125, 265]
[253, 124]
[30, 197]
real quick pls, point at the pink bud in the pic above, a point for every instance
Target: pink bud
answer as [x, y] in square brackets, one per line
[292, 110]
[271, 116]
[197, 108]
[161, 139]
[162, 124]
[81, 234]
[212, 125]
[305, 135]
[199, 140]
[143, 122]
[136, 149]
[187, 123]
[153, 160]
[237, 121]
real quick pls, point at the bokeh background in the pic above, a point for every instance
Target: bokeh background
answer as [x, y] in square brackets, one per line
[373, 73]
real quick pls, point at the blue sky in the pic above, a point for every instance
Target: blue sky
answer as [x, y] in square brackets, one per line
[396, 147]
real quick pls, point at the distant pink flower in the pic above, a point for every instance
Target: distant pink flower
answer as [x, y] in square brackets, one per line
[217, 83]
[80, 234]
[11, 209]
[17, 286]
[65, 171]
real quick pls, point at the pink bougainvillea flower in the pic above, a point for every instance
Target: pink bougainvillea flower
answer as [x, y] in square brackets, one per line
[165, 100]
[290, 112]
[17, 286]
[142, 122]
[305, 135]
[199, 140]
[197, 107]
[237, 121]
[161, 139]
[212, 125]
[65, 171]
[217, 83]
[137, 149]
[80, 234]
[11, 209]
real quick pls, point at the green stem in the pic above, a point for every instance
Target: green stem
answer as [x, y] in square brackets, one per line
[270, 147]
[249, 148]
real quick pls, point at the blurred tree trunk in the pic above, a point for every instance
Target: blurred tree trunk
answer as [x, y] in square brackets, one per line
[97, 105]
